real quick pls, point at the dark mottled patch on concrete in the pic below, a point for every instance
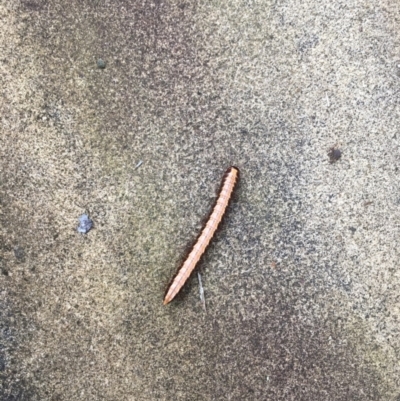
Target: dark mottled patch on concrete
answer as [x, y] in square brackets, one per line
[12, 387]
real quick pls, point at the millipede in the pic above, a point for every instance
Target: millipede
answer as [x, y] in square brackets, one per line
[228, 184]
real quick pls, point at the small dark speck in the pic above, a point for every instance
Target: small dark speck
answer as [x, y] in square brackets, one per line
[101, 64]
[334, 155]
[19, 253]
[352, 229]
[85, 224]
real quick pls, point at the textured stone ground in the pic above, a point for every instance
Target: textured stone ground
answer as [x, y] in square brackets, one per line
[302, 282]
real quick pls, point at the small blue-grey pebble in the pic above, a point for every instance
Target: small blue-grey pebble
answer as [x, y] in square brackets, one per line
[85, 224]
[101, 64]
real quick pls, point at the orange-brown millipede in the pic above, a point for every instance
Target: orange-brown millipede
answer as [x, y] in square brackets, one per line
[229, 181]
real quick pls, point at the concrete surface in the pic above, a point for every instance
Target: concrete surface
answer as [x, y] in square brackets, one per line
[302, 281]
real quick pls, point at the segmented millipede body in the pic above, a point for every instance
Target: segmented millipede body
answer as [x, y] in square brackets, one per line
[229, 181]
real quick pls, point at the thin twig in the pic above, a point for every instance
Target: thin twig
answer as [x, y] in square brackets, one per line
[201, 291]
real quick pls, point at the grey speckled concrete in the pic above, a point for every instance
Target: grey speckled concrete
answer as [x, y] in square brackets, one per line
[302, 282]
